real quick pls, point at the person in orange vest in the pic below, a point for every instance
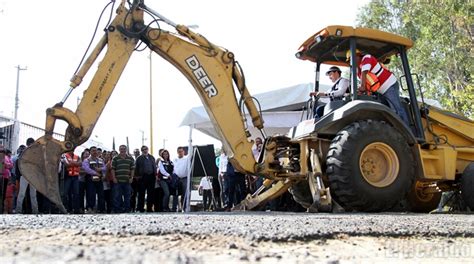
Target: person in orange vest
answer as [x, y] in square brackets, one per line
[72, 165]
[374, 77]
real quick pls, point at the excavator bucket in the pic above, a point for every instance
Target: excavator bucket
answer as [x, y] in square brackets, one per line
[39, 165]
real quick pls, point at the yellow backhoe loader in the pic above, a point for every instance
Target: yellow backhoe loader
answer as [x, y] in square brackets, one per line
[359, 154]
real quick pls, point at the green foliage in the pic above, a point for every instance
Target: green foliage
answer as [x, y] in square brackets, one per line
[443, 51]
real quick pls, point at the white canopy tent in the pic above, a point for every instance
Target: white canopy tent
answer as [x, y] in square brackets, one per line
[281, 110]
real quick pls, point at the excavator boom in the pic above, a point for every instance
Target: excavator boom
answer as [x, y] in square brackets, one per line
[212, 71]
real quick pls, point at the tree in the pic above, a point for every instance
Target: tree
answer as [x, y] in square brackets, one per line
[442, 54]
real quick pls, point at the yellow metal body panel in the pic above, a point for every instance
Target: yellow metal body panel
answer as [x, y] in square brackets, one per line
[95, 97]
[439, 164]
[458, 130]
[368, 33]
[451, 144]
[378, 43]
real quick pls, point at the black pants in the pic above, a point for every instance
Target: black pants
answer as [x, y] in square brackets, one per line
[237, 189]
[44, 205]
[71, 194]
[109, 199]
[82, 194]
[166, 195]
[183, 186]
[216, 188]
[133, 198]
[4, 184]
[158, 201]
[318, 112]
[206, 199]
[146, 185]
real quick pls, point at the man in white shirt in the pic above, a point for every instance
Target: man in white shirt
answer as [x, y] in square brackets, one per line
[257, 149]
[340, 84]
[222, 162]
[181, 169]
[340, 87]
[205, 189]
[23, 187]
[223, 179]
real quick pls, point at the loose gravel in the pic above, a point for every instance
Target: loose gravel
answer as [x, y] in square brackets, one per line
[237, 237]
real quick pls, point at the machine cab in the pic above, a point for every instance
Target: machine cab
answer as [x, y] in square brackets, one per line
[330, 45]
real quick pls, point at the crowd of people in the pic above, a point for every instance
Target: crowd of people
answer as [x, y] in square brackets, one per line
[117, 182]
[100, 181]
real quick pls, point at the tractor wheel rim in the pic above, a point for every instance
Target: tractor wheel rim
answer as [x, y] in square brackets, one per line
[379, 164]
[421, 195]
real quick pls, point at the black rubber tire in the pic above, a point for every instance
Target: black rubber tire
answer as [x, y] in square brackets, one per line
[467, 186]
[348, 185]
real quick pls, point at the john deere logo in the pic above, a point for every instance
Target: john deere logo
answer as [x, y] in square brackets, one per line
[201, 76]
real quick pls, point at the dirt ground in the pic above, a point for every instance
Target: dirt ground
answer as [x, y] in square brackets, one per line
[46, 243]
[55, 246]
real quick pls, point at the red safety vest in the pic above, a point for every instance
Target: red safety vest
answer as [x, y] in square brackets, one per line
[377, 74]
[372, 83]
[72, 170]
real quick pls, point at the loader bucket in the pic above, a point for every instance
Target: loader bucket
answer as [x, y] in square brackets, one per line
[39, 165]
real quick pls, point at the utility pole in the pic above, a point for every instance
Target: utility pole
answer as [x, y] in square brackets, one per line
[143, 137]
[16, 125]
[151, 106]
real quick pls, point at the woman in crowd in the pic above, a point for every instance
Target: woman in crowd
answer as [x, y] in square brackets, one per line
[82, 181]
[165, 172]
[107, 181]
[5, 166]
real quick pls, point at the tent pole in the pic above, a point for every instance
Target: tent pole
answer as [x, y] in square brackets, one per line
[190, 158]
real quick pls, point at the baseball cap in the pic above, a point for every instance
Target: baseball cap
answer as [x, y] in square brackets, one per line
[333, 69]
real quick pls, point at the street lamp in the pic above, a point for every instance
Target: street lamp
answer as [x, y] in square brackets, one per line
[151, 96]
[193, 26]
[143, 137]
[151, 121]
[16, 124]
[151, 106]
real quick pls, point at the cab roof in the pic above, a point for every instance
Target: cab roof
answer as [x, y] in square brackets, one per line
[330, 44]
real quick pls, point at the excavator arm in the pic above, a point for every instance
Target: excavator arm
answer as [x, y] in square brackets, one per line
[212, 71]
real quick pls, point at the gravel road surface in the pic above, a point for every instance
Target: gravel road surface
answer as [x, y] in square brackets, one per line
[237, 237]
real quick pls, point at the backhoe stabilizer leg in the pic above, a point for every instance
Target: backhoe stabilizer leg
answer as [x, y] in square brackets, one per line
[39, 165]
[253, 201]
[322, 200]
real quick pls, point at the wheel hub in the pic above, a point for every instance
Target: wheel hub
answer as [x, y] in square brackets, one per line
[421, 194]
[379, 164]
